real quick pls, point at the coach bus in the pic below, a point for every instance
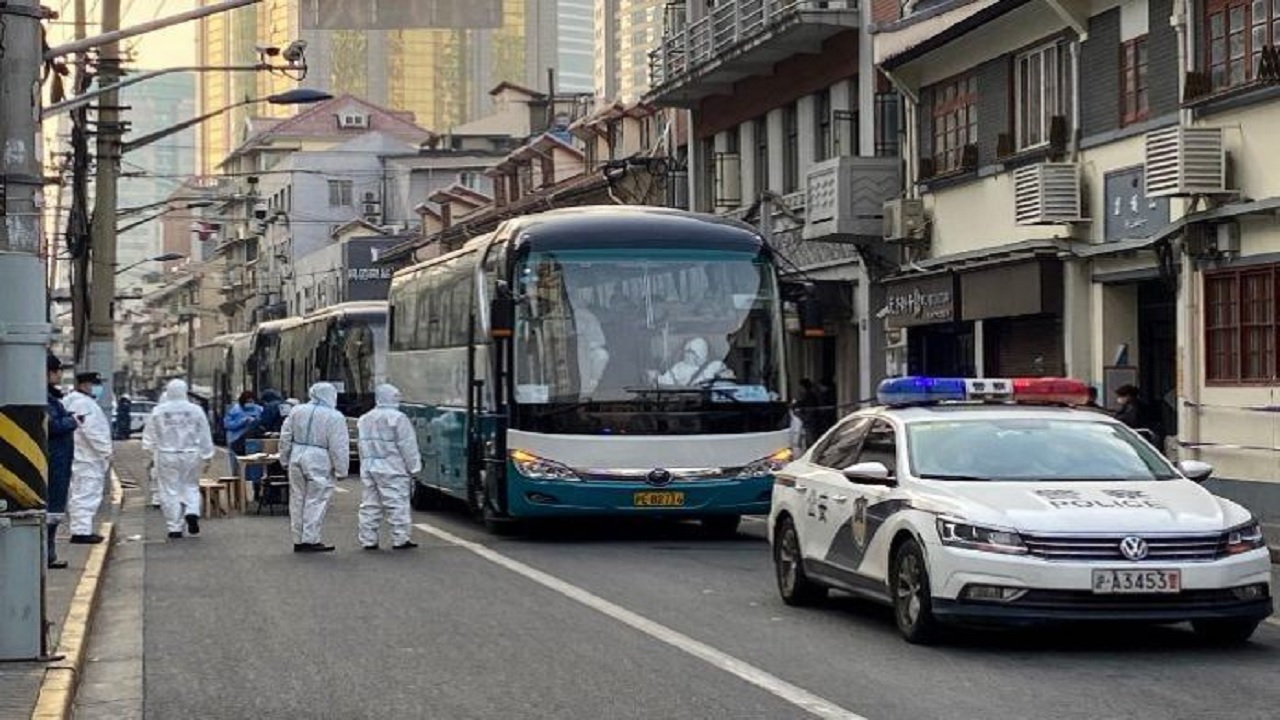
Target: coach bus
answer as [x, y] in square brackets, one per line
[345, 344]
[602, 361]
[213, 378]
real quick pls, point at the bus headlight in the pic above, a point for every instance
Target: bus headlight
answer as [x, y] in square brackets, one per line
[767, 465]
[536, 468]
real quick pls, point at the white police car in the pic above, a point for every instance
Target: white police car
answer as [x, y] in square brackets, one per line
[981, 501]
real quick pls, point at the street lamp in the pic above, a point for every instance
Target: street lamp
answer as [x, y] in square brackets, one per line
[167, 257]
[297, 96]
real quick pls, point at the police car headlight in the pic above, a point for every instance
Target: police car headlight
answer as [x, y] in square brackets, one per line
[536, 468]
[1243, 538]
[976, 537]
[767, 465]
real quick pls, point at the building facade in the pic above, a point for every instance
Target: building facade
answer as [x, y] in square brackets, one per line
[1127, 235]
[792, 131]
[626, 31]
[430, 61]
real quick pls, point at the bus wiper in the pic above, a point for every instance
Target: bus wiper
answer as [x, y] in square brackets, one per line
[960, 478]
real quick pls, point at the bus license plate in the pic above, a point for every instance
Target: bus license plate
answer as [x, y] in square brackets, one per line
[667, 498]
[1123, 582]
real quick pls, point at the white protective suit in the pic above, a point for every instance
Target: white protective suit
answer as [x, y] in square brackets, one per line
[177, 434]
[694, 366]
[388, 457]
[91, 464]
[316, 447]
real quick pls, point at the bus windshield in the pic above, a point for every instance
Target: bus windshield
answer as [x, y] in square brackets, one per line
[642, 324]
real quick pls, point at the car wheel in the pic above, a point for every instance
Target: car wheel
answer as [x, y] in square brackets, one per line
[1225, 632]
[721, 526]
[793, 584]
[912, 598]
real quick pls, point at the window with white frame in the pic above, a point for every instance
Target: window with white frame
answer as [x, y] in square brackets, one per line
[1042, 91]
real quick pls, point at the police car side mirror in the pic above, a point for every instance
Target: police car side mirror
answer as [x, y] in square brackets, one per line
[1195, 470]
[869, 473]
[1147, 435]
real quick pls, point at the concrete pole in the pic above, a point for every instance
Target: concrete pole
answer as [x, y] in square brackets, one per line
[24, 331]
[102, 231]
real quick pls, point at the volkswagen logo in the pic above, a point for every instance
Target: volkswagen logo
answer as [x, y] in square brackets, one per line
[1133, 548]
[659, 477]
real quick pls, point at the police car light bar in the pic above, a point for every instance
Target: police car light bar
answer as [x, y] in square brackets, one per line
[919, 390]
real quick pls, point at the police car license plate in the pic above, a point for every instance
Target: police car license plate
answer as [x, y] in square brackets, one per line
[654, 498]
[1123, 582]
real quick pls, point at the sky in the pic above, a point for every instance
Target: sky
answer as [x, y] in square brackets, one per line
[171, 46]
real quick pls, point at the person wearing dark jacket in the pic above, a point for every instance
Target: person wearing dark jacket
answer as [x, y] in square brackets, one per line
[1130, 411]
[272, 418]
[124, 418]
[61, 450]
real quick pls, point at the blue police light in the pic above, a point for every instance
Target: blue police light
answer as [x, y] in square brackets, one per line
[916, 390]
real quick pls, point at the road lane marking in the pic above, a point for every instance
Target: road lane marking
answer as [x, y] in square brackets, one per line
[778, 687]
[339, 488]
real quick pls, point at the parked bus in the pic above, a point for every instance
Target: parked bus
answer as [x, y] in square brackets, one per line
[604, 361]
[212, 379]
[345, 344]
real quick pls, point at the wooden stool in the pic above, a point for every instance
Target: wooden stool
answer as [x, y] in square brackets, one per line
[215, 496]
[235, 486]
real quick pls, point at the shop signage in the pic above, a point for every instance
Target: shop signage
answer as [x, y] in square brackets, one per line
[922, 301]
[365, 277]
[1130, 214]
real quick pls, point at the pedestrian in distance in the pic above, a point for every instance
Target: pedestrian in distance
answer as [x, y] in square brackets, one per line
[61, 451]
[124, 418]
[389, 458]
[315, 446]
[92, 459]
[272, 418]
[178, 436]
[1130, 410]
[241, 420]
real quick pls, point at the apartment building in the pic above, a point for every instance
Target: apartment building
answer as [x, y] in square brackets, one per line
[790, 129]
[1089, 193]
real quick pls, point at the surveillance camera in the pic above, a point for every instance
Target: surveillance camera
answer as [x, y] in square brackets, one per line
[294, 52]
[268, 50]
[260, 210]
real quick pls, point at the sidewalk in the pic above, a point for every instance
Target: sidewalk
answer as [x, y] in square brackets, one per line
[46, 689]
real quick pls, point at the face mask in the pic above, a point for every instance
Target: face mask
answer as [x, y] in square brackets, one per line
[96, 391]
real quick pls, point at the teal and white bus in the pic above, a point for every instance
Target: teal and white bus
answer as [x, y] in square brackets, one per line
[598, 361]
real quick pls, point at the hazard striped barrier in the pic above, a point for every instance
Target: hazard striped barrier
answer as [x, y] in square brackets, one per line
[24, 467]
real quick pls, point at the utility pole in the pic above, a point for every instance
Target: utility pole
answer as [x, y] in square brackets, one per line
[24, 334]
[102, 230]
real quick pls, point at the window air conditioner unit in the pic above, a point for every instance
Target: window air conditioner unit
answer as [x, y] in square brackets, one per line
[1182, 162]
[904, 220]
[1047, 194]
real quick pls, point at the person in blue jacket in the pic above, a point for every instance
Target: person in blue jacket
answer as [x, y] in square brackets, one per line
[242, 418]
[61, 451]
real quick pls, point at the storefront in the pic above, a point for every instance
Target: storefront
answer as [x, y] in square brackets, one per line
[924, 335]
[1016, 308]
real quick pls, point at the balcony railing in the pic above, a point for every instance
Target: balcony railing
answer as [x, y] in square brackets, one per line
[736, 27]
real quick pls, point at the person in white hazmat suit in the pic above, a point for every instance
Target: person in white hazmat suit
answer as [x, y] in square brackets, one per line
[388, 458]
[92, 459]
[315, 446]
[178, 436]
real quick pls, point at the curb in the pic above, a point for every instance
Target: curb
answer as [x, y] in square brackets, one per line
[1275, 554]
[58, 690]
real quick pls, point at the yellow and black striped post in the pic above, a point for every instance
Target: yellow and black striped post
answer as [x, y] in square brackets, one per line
[24, 467]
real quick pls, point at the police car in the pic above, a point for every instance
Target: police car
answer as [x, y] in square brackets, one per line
[1001, 501]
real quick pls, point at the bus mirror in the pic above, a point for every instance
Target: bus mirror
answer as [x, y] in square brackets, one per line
[501, 310]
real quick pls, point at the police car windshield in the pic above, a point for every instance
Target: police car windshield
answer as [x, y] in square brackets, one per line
[1031, 449]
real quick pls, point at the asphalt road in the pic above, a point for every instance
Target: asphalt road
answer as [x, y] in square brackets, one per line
[611, 621]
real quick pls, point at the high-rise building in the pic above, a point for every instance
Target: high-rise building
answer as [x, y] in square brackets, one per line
[575, 36]
[625, 32]
[433, 58]
[150, 174]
